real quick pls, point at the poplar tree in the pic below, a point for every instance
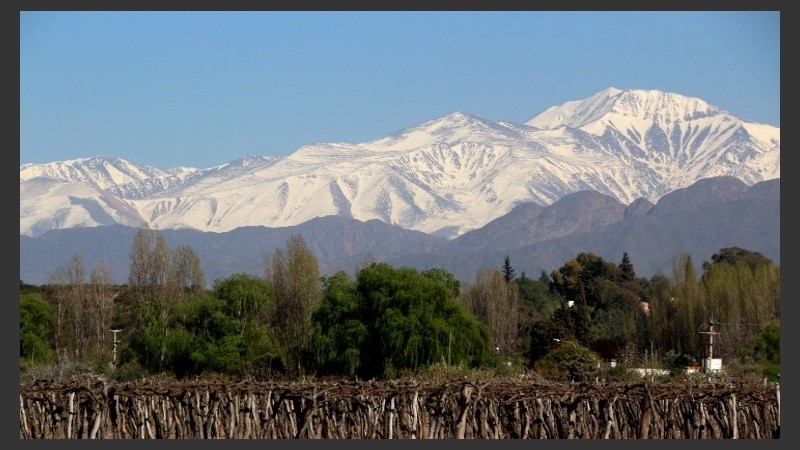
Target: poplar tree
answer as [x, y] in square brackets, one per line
[496, 303]
[151, 266]
[71, 305]
[295, 275]
[154, 283]
[101, 308]
[188, 270]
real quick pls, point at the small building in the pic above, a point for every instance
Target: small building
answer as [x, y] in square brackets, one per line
[711, 365]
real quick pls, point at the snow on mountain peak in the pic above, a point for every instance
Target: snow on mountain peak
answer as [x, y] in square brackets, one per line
[102, 171]
[450, 129]
[455, 173]
[621, 105]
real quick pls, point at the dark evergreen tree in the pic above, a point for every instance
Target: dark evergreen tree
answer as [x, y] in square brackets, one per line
[628, 274]
[508, 271]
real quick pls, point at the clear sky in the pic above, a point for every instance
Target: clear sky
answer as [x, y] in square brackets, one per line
[203, 88]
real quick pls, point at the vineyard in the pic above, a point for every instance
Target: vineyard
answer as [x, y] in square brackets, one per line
[347, 409]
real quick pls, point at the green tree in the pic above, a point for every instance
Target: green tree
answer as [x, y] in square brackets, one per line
[536, 305]
[163, 278]
[535, 296]
[560, 325]
[35, 329]
[392, 319]
[689, 299]
[569, 360]
[339, 332]
[606, 312]
[147, 344]
[223, 331]
[246, 301]
[735, 255]
[204, 339]
[445, 277]
[743, 295]
[665, 330]
[767, 350]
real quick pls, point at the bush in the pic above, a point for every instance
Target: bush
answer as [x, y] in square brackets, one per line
[570, 361]
[130, 371]
[63, 370]
[622, 373]
[677, 362]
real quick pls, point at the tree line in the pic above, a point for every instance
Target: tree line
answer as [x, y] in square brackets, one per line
[385, 321]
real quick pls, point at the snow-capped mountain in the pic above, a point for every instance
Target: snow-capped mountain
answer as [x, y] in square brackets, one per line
[116, 175]
[445, 176]
[682, 139]
[51, 204]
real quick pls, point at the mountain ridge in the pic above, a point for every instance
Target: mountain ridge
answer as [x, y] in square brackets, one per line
[535, 237]
[445, 176]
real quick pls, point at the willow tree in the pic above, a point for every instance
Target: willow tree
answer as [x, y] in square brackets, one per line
[665, 330]
[679, 309]
[247, 300]
[412, 320]
[222, 331]
[340, 333]
[295, 276]
[743, 297]
[691, 312]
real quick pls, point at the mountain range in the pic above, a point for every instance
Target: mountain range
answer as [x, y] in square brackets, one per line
[459, 186]
[712, 214]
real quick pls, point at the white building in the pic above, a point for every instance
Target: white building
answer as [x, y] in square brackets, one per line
[712, 365]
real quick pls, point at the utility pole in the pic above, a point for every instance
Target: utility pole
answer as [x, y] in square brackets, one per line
[114, 360]
[710, 334]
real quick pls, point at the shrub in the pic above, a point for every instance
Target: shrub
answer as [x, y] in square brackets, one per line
[570, 361]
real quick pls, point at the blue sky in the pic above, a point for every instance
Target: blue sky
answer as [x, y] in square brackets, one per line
[202, 88]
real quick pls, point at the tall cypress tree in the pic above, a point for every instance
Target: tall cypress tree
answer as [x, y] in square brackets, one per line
[508, 271]
[628, 274]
